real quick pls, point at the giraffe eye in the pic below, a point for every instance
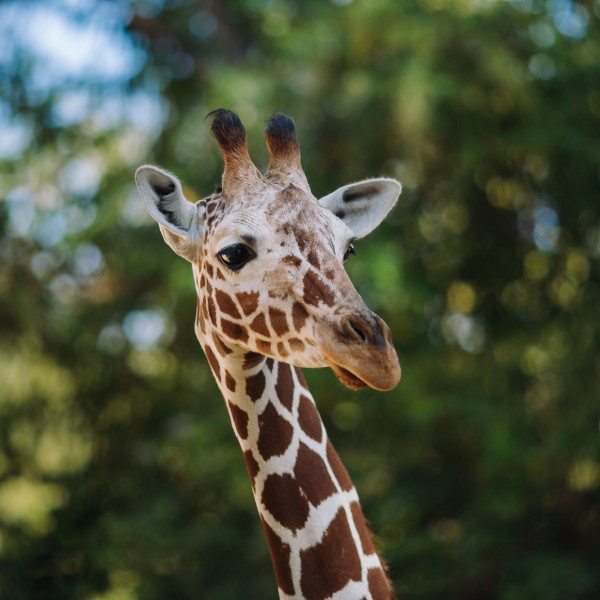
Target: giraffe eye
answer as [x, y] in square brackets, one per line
[236, 256]
[350, 251]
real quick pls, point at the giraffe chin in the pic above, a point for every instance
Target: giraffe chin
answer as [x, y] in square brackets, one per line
[383, 379]
[347, 378]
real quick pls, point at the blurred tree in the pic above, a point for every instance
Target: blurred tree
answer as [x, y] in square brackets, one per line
[119, 475]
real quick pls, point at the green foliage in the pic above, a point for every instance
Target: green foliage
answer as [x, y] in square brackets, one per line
[119, 475]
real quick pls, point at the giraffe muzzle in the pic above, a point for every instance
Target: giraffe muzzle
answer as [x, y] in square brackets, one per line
[360, 352]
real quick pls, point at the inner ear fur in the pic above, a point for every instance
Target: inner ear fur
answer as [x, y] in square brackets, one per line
[363, 205]
[178, 218]
[164, 198]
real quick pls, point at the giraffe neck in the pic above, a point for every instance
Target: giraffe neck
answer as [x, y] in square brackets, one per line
[318, 539]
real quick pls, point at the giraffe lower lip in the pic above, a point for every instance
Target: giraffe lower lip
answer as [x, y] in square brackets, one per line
[347, 378]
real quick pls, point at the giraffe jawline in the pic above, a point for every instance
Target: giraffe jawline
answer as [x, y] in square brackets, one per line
[347, 378]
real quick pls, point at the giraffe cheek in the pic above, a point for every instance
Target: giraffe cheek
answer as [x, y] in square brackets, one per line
[209, 312]
[279, 322]
[226, 304]
[234, 331]
[317, 291]
[299, 316]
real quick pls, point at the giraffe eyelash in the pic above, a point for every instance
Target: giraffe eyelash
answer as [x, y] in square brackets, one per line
[350, 251]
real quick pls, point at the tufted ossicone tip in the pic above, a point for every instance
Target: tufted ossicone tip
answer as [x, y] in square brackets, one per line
[284, 151]
[228, 130]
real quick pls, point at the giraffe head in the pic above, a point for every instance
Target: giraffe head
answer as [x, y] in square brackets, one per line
[268, 257]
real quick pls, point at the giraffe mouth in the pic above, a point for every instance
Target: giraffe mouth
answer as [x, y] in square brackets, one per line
[360, 354]
[346, 377]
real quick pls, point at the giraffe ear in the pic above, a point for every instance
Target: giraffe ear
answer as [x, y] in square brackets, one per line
[178, 218]
[363, 205]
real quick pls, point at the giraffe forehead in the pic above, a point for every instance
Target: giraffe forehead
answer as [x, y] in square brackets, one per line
[281, 221]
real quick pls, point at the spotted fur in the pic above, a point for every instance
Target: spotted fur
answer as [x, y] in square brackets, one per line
[292, 305]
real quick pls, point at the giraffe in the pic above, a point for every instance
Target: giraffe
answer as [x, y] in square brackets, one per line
[273, 297]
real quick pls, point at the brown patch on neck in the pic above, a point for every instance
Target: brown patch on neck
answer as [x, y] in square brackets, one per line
[309, 419]
[240, 420]
[326, 569]
[251, 465]
[229, 381]
[284, 387]
[300, 377]
[299, 315]
[251, 360]
[275, 433]
[379, 586]
[338, 468]
[361, 527]
[311, 472]
[255, 386]
[280, 557]
[284, 499]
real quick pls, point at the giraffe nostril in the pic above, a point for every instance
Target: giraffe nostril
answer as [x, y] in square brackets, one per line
[362, 330]
[357, 329]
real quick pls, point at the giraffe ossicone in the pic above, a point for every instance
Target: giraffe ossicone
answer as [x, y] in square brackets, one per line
[273, 297]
